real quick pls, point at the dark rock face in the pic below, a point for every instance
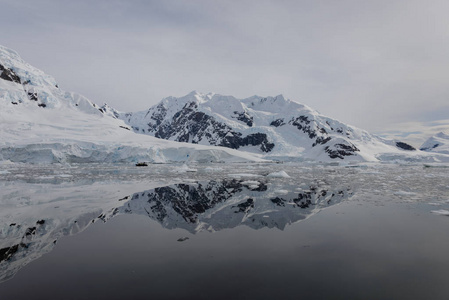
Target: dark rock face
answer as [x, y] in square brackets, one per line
[30, 232]
[107, 109]
[341, 150]
[192, 126]
[159, 115]
[245, 207]
[303, 124]
[405, 146]
[8, 252]
[309, 197]
[32, 96]
[277, 123]
[321, 140]
[244, 117]
[278, 201]
[255, 139]
[9, 75]
[429, 148]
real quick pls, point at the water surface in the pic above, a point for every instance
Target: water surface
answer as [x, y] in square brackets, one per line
[224, 232]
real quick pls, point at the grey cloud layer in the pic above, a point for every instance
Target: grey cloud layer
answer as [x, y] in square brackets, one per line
[368, 63]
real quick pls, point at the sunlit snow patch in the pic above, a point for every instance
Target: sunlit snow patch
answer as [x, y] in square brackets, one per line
[280, 174]
[442, 212]
[185, 168]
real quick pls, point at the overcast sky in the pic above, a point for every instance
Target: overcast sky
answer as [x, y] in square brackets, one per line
[379, 65]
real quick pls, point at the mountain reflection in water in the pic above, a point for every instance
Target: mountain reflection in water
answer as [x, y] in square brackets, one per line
[201, 206]
[216, 205]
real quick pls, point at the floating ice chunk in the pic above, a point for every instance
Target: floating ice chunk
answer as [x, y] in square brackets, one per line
[4, 172]
[404, 193]
[281, 192]
[280, 174]
[251, 182]
[442, 212]
[244, 175]
[210, 169]
[185, 168]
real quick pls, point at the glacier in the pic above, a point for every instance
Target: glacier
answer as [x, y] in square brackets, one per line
[41, 123]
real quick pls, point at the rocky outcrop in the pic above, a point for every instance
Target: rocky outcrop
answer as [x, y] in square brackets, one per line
[405, 146]
[341, 150]
[244, 117]
[9, 75]
[192, 126]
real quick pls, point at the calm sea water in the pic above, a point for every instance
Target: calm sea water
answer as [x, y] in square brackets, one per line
[225, 232]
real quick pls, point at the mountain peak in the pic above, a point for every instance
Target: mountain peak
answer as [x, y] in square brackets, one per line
[9, 54]
[442, 135]
[273, 126]
[25, 84]
[194, 93]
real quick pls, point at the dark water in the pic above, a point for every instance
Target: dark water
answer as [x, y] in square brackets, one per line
[247, 239]
[346, 252]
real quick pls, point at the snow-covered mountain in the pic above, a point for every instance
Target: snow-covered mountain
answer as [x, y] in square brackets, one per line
[276, 127]
[438, 143]
[42, 123]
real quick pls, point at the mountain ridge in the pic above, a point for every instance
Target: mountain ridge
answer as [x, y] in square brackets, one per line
[41, 123]
[276, 127]
[439, 143]
[45, 124]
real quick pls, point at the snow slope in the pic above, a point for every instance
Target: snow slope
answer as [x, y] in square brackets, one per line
[41, 123]
[438, 143]
[276, 127]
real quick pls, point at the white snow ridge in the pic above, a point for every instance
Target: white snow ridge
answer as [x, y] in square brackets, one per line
[438, 143]
[276, 127]
[41, 123]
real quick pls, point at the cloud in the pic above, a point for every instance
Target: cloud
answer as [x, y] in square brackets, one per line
[372, 64]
